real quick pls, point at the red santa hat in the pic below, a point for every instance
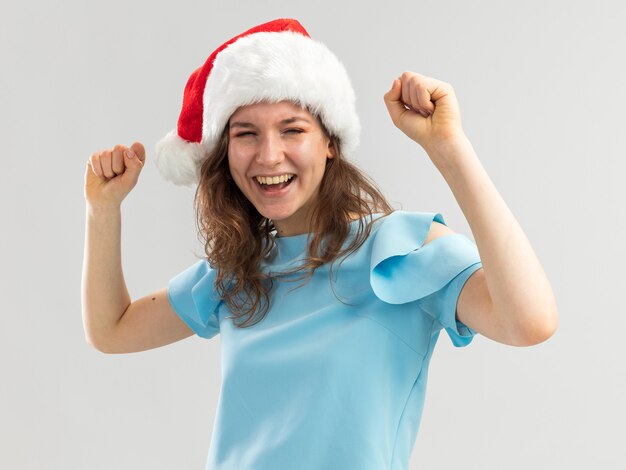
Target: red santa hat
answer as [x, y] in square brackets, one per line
[272, 62]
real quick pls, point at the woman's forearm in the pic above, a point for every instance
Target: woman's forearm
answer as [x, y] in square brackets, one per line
[518, 286]
[105, 297]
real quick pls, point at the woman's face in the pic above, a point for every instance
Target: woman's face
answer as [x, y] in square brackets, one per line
[277, 155]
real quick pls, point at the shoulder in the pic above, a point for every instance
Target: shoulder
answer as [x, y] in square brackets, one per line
[437, 229]
[414, 227]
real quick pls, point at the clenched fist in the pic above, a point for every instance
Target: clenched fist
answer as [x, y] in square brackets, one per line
[111, 174]
[425, 109]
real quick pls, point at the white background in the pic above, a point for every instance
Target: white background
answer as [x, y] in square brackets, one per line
[541, 89]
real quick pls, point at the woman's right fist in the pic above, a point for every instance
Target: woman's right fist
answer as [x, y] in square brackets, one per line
[111, 174]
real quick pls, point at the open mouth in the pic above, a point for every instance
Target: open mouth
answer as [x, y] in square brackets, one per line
[274, 184]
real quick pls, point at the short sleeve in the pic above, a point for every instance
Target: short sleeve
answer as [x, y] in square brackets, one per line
[404, 270]
[192, 295]
[442, 304]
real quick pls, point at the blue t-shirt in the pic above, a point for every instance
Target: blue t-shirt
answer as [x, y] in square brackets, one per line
[334, 376]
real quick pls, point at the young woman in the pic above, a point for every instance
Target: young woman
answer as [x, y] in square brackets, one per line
[328, 302]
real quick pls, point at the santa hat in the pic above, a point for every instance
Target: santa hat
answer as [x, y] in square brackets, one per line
[272, 62]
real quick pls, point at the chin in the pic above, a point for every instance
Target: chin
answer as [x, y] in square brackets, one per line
[275, 214]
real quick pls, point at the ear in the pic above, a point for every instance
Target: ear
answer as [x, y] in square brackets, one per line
[332, 151]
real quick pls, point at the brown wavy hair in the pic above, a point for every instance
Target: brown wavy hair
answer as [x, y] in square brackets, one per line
[237, 237]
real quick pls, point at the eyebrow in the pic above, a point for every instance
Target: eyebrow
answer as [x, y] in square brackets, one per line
[249, 125]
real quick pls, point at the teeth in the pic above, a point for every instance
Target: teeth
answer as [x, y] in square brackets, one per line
[273, 179]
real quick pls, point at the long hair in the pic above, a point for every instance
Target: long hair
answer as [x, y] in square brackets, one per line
[237, 237]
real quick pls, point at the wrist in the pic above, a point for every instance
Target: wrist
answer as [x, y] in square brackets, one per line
[102, 208]
[448, 152]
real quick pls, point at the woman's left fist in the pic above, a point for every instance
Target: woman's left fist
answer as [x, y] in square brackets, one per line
[425, 109]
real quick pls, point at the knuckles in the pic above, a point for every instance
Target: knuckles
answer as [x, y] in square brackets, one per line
[420, 80]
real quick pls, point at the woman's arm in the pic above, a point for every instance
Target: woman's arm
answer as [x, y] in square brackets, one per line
[111, 322]
[523, 308]
[104, 294]
[109, 176]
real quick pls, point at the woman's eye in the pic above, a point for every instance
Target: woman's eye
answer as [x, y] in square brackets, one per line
[287, 131]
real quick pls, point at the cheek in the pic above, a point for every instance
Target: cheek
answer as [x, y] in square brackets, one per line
[313, 156]
[239, 157]
[321, 162]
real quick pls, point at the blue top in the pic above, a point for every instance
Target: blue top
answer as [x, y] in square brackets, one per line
[322, 383]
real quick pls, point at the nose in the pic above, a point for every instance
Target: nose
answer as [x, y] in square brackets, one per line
[270, 152]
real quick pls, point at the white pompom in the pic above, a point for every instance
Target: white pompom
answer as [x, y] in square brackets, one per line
[178, 160]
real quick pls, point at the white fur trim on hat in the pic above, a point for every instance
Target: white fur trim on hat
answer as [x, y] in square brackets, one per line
[281, 66]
